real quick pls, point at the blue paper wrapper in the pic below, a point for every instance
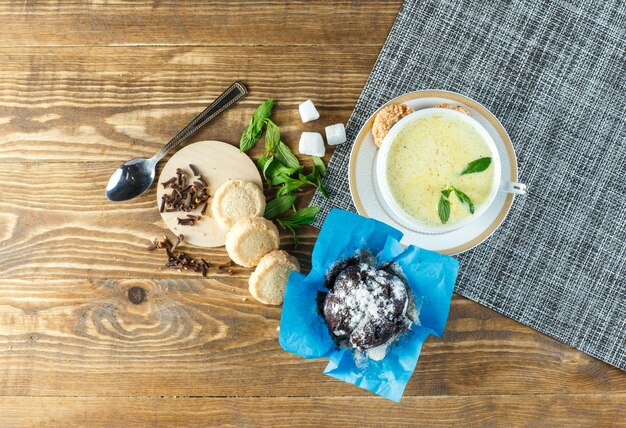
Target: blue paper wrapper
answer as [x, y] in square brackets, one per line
[303, 330]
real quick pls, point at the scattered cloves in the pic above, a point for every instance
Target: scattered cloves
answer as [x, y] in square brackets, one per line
[225, 268]
[179, 261]
[185, 197]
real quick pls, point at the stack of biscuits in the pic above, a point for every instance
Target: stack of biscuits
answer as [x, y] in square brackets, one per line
[252, 240]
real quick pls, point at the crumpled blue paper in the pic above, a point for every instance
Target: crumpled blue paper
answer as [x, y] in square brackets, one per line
[303, 330]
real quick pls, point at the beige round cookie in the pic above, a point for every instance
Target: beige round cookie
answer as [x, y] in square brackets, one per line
[453, 107]
[268, 281]
[251, 238]
[236, 199]
[386, 118]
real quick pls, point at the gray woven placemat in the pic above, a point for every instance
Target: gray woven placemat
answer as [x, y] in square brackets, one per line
[553, 72]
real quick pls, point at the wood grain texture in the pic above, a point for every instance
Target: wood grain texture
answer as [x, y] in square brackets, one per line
[85, 235]
[76, 104]
[208, 337]
[584, 410]
[87, 85]
[271, 22]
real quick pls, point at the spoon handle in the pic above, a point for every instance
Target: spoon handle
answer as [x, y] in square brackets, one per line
[230, 96]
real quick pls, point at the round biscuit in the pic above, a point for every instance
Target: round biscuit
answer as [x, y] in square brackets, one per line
[453, 107]
[268, 281]
[386, 118]
[251, 238]
[236, 199]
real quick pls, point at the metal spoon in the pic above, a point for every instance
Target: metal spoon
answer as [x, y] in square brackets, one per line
[136, 176]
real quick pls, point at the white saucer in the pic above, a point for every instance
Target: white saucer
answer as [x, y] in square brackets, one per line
[369, 202]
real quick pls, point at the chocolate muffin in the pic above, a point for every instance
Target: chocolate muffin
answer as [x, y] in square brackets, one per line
[366, 307]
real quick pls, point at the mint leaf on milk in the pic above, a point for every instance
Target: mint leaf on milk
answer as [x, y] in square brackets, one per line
[444, 206]
[464, 199]
[478, 165]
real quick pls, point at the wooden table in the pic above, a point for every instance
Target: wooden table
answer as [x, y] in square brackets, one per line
[86, 86]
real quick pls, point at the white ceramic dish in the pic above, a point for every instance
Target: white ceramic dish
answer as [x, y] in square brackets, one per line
[367, 194]
[381, 170]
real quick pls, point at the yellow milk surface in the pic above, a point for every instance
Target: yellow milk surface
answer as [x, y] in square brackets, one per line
[428, 155]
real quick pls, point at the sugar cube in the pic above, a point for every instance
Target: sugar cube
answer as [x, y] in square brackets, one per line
[335, 134]
[312, 143]
[308, 112]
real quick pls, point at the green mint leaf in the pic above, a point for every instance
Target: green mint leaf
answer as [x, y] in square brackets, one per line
[262, 161]
[316, 176]
[444, 207]
[318, 165]
[320, 185]
[299, 218]
[464, 199]
[446, 192]
[265, 163]
[478, 165]
[247, 141]
[308, 179]
[282, 175]
[272, 137]
[290, 187]
[285, 156]
[278, 205]
[275, 172]
[253, 131]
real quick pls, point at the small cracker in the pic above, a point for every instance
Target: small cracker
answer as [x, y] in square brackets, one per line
[386, 118]
[267, 283]
[250, 239]
[453, 107]
[236, 199]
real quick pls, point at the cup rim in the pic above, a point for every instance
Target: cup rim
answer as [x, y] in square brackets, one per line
[404, 217]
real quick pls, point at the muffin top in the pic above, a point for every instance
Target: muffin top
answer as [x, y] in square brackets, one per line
[366, 307]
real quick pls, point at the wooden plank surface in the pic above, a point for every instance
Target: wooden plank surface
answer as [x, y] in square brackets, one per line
[543, 410]
[87, 85]
[77, 104]
[199, 337]
[270, 22]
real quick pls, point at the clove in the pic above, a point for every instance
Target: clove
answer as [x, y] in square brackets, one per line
[185, 197]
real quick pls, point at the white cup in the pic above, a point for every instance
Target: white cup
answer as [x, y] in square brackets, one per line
[411, 222]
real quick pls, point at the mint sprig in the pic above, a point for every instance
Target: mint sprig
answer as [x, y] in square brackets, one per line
[299, 218]
[282, 169]
[443, 207]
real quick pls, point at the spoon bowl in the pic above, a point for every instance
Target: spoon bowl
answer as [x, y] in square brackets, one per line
[131, 179]
[136, 176]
